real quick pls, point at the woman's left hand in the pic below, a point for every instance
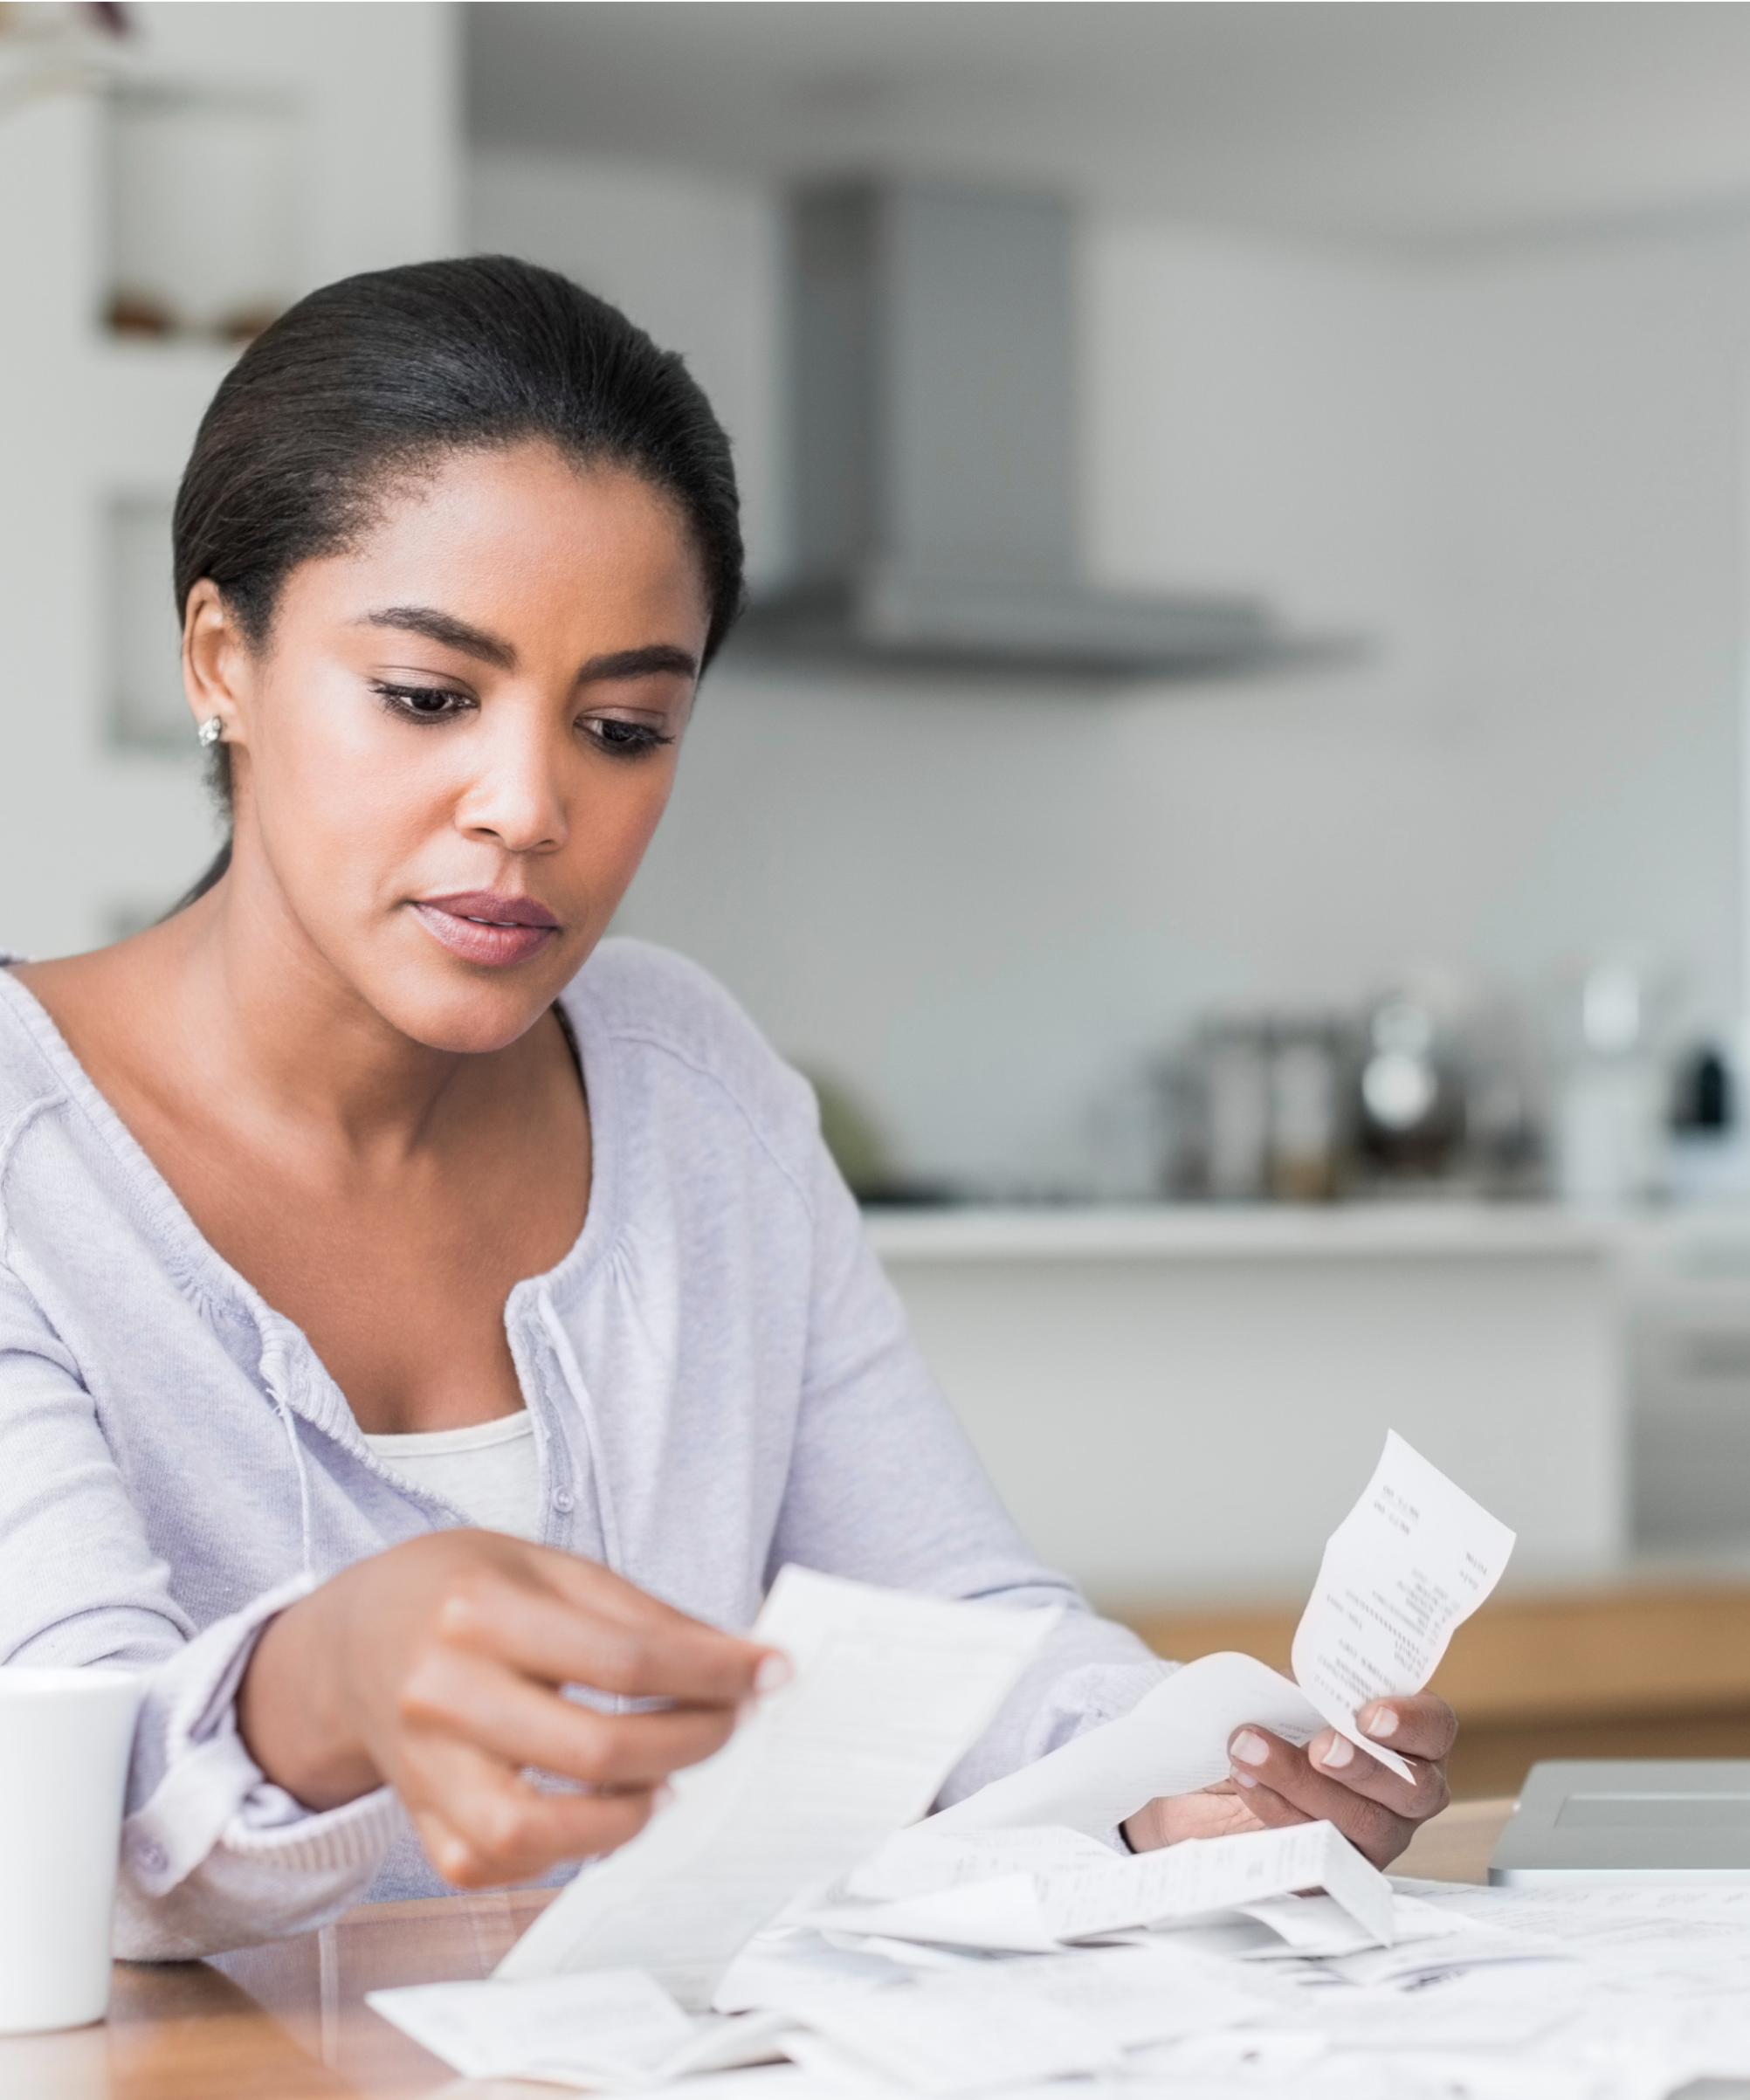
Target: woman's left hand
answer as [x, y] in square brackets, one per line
[1329, 1780]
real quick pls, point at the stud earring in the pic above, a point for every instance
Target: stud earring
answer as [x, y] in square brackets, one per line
[210, 733]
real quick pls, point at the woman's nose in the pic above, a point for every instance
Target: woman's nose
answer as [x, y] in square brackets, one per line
[515, 797]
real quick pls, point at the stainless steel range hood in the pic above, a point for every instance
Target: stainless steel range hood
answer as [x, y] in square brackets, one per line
[934, 456]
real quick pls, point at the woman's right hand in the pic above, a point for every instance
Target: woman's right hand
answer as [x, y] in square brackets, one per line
[435, 1667]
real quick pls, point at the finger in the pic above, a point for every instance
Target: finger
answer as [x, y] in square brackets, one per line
[484, 1704]
[1263, 1759]
[468, 1863]
[482, 1824]
[1272, 1810]
[1375, 1834]
[662, 1654]
[1417, 1726]
[588, 1582]
[601, 1592]
[1329, 1757]
[552, 1637]
[1282, 1786]
[1334, 1756]
[1422, 1794]
[1172, 1818]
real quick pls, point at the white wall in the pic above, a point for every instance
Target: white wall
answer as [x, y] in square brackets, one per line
[695, 262]
[91, 836]
[1519, 470]
[1581, 421]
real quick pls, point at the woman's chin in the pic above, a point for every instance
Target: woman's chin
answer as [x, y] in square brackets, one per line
[467, 1012]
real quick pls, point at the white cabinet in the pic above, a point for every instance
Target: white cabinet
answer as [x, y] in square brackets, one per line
[1177, 1401]
[1688, 1295]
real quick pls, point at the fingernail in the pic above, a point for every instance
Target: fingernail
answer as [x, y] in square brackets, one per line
[774, 1673]
[1341, 1753]
[1378, 1721]
[1244, 1778]
[1249, 1749]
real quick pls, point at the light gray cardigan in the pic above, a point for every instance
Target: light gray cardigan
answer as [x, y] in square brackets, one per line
[721, 1380]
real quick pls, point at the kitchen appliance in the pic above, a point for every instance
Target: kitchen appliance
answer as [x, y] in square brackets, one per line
[1412, 1094]
[1261, 1110]
[1640, 1820]
[1613, 1093]
[934, 456]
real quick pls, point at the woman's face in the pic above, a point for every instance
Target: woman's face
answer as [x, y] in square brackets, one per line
[451, 752]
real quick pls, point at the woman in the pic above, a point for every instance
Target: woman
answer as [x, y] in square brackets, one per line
[410, 1305]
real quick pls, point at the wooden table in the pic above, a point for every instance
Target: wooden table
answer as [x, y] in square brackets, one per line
[289, 2021]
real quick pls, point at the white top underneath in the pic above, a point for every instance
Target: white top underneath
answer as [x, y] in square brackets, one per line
[488, 1471]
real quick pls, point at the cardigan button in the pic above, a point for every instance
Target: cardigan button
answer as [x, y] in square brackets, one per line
[150, 1856]
[564, 1501]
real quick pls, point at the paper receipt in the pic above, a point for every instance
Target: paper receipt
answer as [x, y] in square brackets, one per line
[1413, 1558]
[1411, 1562]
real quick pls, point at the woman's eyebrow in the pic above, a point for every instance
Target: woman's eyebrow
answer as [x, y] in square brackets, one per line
[641, 662]
[444, 627]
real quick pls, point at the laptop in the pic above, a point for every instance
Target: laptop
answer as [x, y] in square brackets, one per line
[1629, 1820]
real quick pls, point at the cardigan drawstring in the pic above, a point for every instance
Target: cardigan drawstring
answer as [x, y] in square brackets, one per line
[559, 1342]
[272, 1374]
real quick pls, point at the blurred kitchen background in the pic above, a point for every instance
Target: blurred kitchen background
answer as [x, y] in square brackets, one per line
[1234, 784]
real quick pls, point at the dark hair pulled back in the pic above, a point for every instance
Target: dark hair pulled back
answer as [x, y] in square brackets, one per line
[376, 376]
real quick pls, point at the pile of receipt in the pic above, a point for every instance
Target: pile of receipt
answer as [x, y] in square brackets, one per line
[909, 1977]
[789, 1928]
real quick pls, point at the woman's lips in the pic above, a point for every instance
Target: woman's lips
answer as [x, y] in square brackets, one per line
[480, 927]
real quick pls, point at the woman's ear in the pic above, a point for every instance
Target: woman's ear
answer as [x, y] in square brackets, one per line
[216, 665]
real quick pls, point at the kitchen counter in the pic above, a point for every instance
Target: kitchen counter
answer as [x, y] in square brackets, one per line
[1386, 1231]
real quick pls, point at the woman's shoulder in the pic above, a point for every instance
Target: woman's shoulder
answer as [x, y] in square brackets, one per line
[34, 1061]
[642, 997]
[637, 984]
[53, 1184]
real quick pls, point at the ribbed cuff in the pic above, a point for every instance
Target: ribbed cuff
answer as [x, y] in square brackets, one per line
[208, 1774]
[350, 1839]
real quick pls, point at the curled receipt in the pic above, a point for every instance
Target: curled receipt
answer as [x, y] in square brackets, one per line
[1411, 1562]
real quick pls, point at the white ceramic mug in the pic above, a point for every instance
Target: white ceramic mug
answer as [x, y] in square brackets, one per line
[65, 1740]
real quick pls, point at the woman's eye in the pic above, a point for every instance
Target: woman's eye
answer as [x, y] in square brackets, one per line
[420, 702]
[625, 739]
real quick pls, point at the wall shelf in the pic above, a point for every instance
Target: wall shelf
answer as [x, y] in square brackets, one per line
[203, 210]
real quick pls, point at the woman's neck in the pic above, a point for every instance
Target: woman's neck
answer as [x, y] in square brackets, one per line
[229, 1013]
[385, 1195]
